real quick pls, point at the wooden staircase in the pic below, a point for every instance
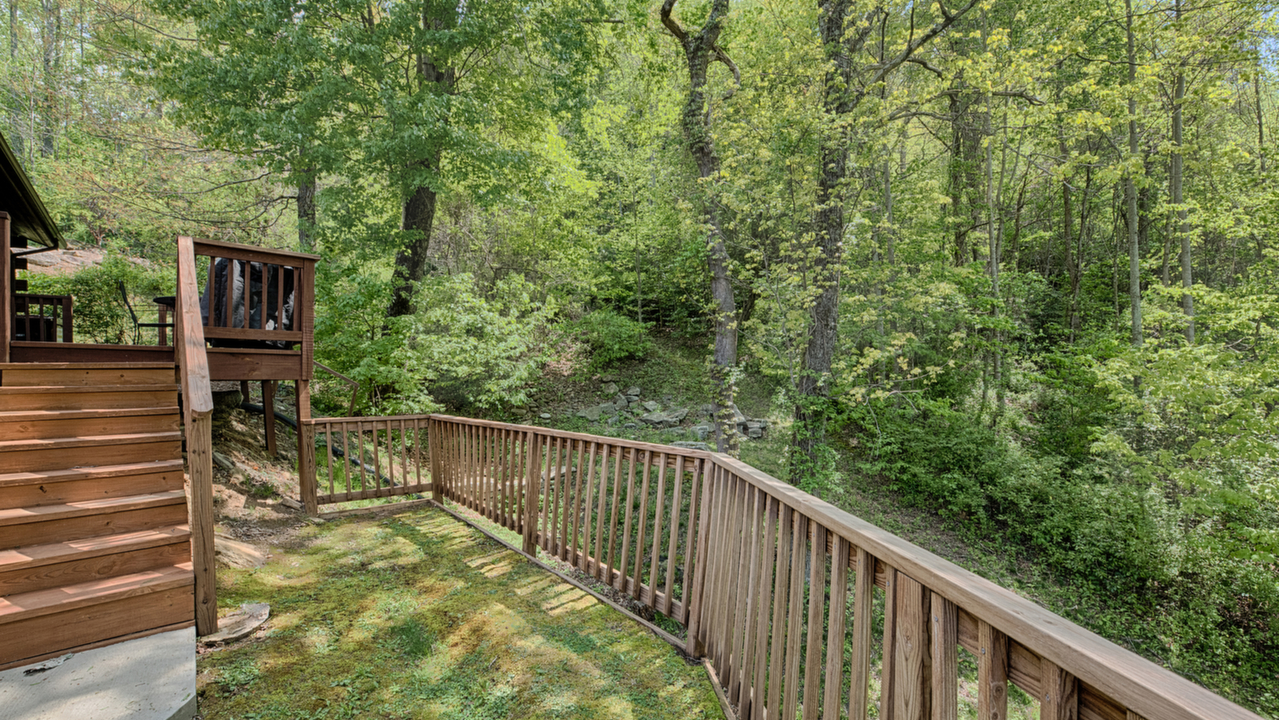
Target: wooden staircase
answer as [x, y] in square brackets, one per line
[94, 542]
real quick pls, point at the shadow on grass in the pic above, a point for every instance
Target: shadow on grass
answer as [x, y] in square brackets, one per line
[418, 616]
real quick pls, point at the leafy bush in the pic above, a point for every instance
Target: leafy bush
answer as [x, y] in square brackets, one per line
[461, 348]
[612, 337]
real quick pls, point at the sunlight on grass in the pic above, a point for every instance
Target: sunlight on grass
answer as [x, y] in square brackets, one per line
[418, 616]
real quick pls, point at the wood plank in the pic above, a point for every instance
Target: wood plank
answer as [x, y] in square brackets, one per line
[1115, 672]
[50, 513]
[100, 643]
[253, 364]
[863, 610]
[306, 449]
[78, 528]
[81, 375]
[945, 659]
[625, 444]
[835, 629]
[888, 664]
[777, 652]
[268, 415]
[397, 491]
[113, 619]
[1059, 694]
[94, 562]
[44, 352]
[52, 425]
[992, 673]
[816, 611]
[658, 513]
[98, 398]
[672, 543]
[88, 488]
[642, 522]
[252, 253]
[690, 549]
[793, 639]
[912, 682]
[626, 531]
[586, 502]
[763, 606]
[746, 582]
[694, 599]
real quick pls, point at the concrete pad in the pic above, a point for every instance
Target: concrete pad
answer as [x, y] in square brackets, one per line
[151, 678]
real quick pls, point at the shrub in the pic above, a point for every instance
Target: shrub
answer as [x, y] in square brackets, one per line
[612, 337]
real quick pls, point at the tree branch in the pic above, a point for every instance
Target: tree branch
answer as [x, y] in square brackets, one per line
[667, 7]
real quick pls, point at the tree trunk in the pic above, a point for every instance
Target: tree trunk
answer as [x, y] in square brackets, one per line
[700, 49]
[306, 211]
[1130, 190]
[1175, 191]
[418, 212]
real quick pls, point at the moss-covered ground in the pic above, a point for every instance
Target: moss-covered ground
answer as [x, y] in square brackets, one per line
[416, 615]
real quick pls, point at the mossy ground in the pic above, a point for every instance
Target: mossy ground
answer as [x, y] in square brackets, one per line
[415, 615]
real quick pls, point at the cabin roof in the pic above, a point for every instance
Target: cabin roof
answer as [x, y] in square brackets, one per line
[28, 216]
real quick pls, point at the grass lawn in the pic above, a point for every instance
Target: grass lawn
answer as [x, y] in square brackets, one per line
[416, 615]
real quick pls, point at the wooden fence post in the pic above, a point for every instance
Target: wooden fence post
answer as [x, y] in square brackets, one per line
[306, 450]
[433, 447]
[532, 492]
[198, 419]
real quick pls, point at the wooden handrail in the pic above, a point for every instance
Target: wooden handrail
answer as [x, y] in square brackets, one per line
[742, 525]
[197, 399]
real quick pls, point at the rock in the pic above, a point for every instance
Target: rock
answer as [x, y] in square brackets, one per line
[754, 433]
[315, 520]
[629, 426]
[545, 416]
[664, 419]
[236, 554]
[613, 421]
[608, 378]
[620, 402]
[651, 406]
[238, 624]
[738, 417]
[701, 432]
[753, 425]
[592, 413]
[223, 461]
[708, 410]
[690, 445]
[633, 390]
[45, 260]
[609, 389]
[289, 502]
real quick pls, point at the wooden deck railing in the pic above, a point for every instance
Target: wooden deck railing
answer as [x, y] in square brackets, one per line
[42, 318]
[197, 420]
[777, 589]
[366, 458]
[241, 316]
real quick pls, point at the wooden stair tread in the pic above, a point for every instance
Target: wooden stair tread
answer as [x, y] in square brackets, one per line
[37, 555]
[89, 473]
[51, 389]
[86, 441]
[88, 366]
[22, 606]
[40, 415]
[42, 513]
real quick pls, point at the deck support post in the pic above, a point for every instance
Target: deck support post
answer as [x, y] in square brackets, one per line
[268, 415]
